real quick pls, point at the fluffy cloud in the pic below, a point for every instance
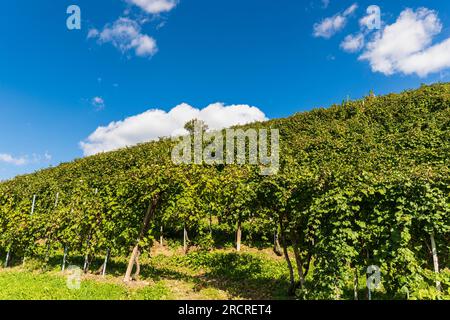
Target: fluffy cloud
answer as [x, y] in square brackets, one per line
[350, 9]
[24, 160]
[332, 25]
[125, 34]
[155, 6]
[98, 103]
[406, 45]
[353, 43]
[155, 123]
[9, 159]
[47, 156]
[432, 60]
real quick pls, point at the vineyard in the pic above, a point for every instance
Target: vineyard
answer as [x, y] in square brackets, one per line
[361, 183]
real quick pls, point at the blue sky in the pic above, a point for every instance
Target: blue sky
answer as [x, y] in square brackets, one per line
[245, 59]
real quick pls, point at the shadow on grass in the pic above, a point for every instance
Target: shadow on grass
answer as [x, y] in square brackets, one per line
[240, 275]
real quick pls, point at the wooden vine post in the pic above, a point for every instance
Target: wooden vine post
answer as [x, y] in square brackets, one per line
[8, 256]
[33, 205]
[64, 259]
[86, 258]
[238, 235]
[276, 243]
[435, 260]
[210, 224]
[31, 215]
[105, 263]
[185, 240]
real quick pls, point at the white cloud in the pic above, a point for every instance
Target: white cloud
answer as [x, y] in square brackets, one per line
[145, 46]
[24, 160]
[353, 43]
[98, 103]
[332, 25]
[406, 45]
[9, 159]
[37, 158]
[432, 60]
[329, 26]
[351, 9]
[93, 33]
[125, 34]
[47, 156]
[155, 123]
[155, 6]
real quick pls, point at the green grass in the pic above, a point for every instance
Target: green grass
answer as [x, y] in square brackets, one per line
[168, 274]
[25, 285]
[246, 275]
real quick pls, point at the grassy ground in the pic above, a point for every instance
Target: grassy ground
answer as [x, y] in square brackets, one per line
[167, 274]
[25, 285]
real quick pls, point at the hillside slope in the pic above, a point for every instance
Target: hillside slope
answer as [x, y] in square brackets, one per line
[361, 183]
